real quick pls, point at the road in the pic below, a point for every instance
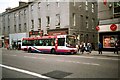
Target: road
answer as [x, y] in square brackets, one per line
[20, 64]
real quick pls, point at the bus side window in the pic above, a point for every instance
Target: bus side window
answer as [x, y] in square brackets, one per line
[28, 42]
[35, 43]
[31, 42]
[40, 42]
[49, 42]
[61, 41]
[43, 44]
[53, 42]
[24, 42]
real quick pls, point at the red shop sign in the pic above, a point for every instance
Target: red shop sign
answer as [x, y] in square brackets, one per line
[97, 28]
[113, 27]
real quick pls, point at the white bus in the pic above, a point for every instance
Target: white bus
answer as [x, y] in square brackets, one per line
[50, 44]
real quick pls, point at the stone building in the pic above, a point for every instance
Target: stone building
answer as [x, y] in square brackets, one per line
[109, 24]
[29, 19]
[14, 24]
[78, 18]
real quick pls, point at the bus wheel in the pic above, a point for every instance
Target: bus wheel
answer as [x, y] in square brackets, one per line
[53, 51]
[29, 50]
[72, 53]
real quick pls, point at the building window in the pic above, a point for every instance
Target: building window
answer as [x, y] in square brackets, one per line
[93, 23]
[48, 4]
[87, 22]
[58, 19]
[32, 21]
[8, 29]
[48, 28]
[25, 12]
[48, 21]
[19, 15]
[117, 9]
[74, 3]
[39, 21]
[31, 7]
[92, 7]
[58, 4]
[8, 19]
[80, 6]
[19, 27]
[3, 30]
[25, 27]
[74, 19]
[86, 5]
[15, 17]
[15, 28]
[39, 5]
[81, 20]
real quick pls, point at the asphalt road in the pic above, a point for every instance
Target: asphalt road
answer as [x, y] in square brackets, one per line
[20, 64]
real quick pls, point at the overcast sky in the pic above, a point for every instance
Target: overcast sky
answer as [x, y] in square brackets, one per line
[9, 3]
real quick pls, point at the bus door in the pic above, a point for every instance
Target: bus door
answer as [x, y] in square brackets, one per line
[56, 43]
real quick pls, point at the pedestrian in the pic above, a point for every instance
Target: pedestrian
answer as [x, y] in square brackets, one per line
[8, 46]
[93, 46]
[116, 47]
[82, 47]
[19, 46]
[78, 48]
[100, 48]
[89, 48]
[2, 44]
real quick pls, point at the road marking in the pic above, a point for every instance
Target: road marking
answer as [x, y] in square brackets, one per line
[24, 71]
[13, 55]
[30, 57]
[97, 58]
[107, 58]
[79, 62]
[41, 58]
[5, 54]
[89, 57]
[34, 57]
[25, 56]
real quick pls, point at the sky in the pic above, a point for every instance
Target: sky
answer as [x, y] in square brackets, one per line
[9, 3]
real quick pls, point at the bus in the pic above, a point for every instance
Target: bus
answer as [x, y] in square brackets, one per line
[50, 44]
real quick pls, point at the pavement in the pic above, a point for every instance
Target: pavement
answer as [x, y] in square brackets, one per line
[93, 53]
[104, 53]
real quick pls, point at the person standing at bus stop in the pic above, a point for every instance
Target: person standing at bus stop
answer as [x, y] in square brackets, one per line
[100, 48]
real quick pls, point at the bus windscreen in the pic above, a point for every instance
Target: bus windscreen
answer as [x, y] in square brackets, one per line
[70, 40]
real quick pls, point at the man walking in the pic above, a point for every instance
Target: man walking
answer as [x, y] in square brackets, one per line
[100, 48]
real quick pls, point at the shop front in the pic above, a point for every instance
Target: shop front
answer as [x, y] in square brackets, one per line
[61, 31]
[1, 41]
[15, 39]
[108, 35]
